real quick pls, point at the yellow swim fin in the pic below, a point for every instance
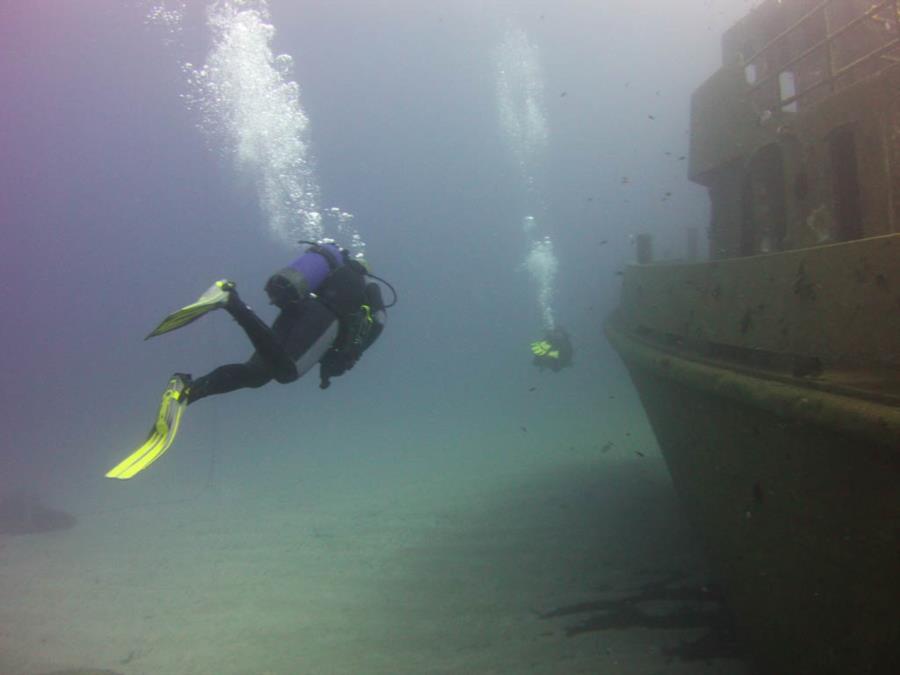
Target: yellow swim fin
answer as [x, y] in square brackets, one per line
[213, 298]
[540, 348]
[162, 434]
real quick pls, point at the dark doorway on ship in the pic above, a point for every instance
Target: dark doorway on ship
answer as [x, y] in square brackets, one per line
[845, 184]
[763, 206]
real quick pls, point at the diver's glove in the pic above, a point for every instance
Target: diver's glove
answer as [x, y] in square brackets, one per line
[333, 364]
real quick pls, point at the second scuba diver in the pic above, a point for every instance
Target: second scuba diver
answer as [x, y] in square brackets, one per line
[329, 314]
[554, 351]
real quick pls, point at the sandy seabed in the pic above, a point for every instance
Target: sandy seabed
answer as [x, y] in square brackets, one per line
[436, 558]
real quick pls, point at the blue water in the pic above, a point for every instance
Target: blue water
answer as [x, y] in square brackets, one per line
[425, 133]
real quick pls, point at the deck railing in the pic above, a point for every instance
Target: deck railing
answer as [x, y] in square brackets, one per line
[832, 72]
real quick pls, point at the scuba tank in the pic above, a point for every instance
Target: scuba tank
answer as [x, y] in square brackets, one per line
[326, 270]
[306, 275]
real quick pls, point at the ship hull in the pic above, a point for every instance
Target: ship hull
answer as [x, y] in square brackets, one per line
[791, 476]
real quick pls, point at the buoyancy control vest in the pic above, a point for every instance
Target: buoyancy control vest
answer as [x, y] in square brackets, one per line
[328, 273]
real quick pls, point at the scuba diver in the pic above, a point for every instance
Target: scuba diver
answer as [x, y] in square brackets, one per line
[329, 314]
[554, 351]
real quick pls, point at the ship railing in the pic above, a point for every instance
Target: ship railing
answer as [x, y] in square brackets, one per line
[832, 72]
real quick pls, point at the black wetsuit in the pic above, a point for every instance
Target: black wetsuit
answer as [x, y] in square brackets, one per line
[303, 334]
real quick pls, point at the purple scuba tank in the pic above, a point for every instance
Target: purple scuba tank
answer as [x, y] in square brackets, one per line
[305, 275]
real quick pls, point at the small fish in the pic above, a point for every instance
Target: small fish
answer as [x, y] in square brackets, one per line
[651, 117]
[639, 453]
[563, 94]
[611, 397]
[625, 180]
[607, 447]
[681, 158]
[523, 429]
[602, 241]
[532, 388]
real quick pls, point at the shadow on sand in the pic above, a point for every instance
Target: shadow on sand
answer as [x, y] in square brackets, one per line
[25, 514]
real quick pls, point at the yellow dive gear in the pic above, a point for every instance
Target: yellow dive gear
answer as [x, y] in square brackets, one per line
[213, 298]
[541, 348]
[162, 433]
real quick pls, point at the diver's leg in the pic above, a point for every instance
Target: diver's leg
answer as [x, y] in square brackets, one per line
[306, 334]
[252, 374]
[268, 344]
